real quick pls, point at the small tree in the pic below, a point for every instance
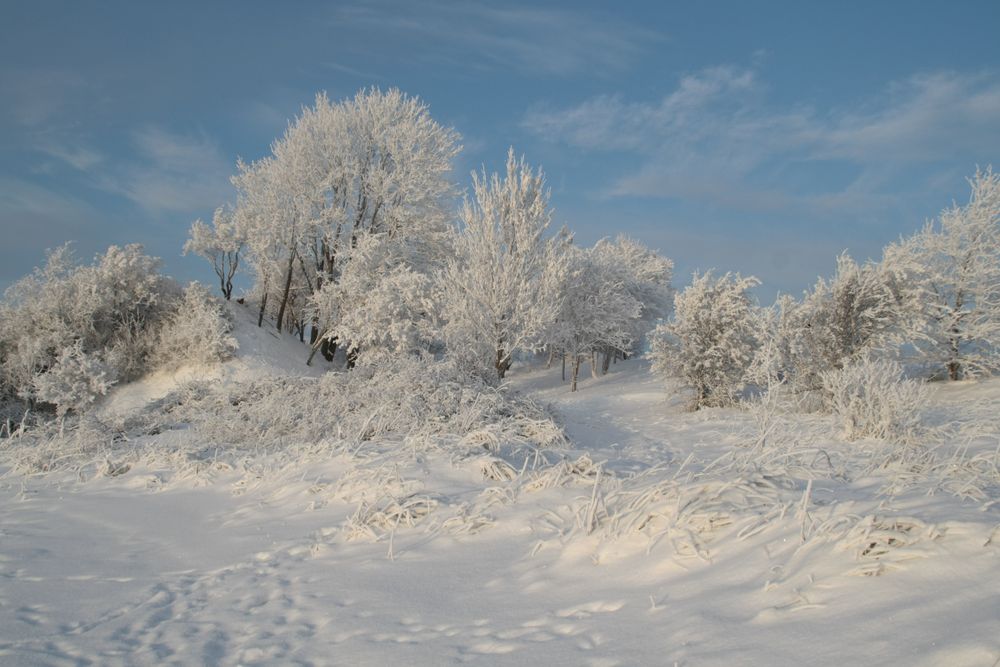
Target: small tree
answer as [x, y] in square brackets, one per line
[220, 244]
[951, 275]
[710, 342]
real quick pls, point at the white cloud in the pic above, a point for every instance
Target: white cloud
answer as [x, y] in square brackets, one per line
[716, 138]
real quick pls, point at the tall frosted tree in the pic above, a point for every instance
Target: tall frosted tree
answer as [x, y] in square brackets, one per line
[499, 289]
[950, 272]
[373, 164]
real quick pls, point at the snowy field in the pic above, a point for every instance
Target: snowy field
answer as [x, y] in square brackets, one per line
[650, 535]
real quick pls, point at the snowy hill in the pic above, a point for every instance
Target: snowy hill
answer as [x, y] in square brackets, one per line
[656, 536]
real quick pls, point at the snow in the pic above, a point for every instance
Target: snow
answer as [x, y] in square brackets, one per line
[236, 567]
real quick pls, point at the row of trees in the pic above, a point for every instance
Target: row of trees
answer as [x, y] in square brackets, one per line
[933, 301]
[346, 230]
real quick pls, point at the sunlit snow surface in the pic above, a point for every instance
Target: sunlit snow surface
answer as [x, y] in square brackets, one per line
[661, 537]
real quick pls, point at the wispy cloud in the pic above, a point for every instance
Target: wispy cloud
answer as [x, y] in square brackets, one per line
[529, 39]
[716, 137]
[78, 156]
[172, 173]
[35, 96]
[36, 217]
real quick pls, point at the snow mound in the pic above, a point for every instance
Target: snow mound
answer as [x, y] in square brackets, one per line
[263, 353]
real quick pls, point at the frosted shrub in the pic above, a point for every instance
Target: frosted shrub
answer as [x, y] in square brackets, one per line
[413, 397]
[197, 332]
[874, 400]
[596, 311]
[75, 381]
[111, 309]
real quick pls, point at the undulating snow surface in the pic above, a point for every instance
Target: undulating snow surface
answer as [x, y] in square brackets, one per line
[658, 537]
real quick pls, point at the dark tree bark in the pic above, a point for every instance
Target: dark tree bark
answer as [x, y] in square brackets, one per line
[287, 290]
[263, 306]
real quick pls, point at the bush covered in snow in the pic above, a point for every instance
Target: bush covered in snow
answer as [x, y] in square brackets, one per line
[74, 381]
[874, 400]
[110, 309]
[380, 304]
[413, 398]
[198, 331]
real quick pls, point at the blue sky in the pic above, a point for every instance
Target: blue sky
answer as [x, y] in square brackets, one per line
[758, 137]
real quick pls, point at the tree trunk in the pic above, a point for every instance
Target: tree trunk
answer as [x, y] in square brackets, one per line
[286, 291]
[593, 363]
[563, 366]
[954, 365]
[607, 361]
[576, 371]
[263, 307]
[502, 363]
[552, 355]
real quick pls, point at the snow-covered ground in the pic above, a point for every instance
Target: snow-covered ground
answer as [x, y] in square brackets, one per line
[658, 537]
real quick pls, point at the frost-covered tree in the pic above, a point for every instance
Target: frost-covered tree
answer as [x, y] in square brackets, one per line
[641, 275]
[950, 273]
[273, 229]
[380, 305]
[220, 244]
[710, 342]
[597, 311]
[499, 289]
[839, 321]
[374, 164]
[199, 331]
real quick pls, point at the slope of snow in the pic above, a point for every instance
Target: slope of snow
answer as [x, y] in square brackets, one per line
[658, 545]
[262, 352]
